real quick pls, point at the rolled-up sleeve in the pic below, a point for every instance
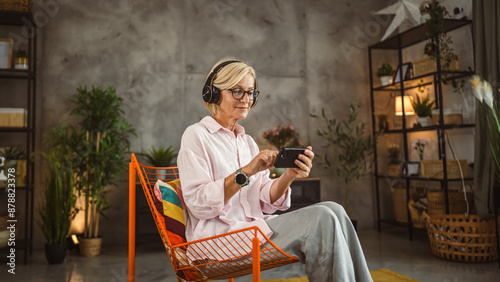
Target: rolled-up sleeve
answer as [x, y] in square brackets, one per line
[283, 203]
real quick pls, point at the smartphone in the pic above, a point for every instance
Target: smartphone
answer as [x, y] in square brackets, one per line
[287, 156]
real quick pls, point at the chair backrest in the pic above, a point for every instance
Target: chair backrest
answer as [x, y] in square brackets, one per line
[162, 188]
[149, 177]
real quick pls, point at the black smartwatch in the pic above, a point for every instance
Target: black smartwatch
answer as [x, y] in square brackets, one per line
[241, 178]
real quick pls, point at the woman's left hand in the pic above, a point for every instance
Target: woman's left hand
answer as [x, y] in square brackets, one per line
[304, 162]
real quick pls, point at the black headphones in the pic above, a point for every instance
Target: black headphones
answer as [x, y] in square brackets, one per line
[210, 93]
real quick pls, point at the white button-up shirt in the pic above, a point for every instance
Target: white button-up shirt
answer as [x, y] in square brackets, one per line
[208, 154]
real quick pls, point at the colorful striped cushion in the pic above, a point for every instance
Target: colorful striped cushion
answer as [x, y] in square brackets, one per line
[170, 206]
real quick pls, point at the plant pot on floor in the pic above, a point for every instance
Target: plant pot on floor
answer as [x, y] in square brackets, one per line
[90, 247]
[55, 253]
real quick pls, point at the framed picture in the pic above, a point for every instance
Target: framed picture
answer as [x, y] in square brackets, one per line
[407, 71]
[413, 169]
[6, 52]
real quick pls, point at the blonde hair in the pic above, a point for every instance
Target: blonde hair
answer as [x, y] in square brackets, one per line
[227, 77]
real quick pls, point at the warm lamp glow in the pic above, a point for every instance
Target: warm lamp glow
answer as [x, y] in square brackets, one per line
[408, 107]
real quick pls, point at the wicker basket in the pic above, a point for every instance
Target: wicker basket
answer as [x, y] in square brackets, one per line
[448, 119]
[16, 5]
[434, 168]
[436, 202]
[400, 204]
[394, 169]
[428, 65]
[461, 238]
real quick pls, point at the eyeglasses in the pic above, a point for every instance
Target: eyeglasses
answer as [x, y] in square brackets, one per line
[238, 93]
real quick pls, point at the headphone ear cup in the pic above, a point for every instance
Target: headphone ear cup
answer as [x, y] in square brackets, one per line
[215, 95]
[207, 94]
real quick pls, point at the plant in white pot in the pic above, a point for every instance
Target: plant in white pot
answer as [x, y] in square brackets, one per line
[385, 73]
[104, 142]
[423, 109]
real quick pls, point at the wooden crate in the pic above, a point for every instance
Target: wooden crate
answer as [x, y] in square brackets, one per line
[428, 65]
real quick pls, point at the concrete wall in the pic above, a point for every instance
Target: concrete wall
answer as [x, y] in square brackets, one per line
[308, 54]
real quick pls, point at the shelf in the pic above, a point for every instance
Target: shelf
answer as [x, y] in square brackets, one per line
[18, 188]
[12, 23]
[393, 47]
[424, 178]
[16, 129]
[15, 18]
[414, 82]
[416, 34]
[431, 128]
[13, 73]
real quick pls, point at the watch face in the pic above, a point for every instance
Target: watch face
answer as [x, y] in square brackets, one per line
[241, 179]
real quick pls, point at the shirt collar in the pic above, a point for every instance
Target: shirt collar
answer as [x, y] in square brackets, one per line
[213, 126]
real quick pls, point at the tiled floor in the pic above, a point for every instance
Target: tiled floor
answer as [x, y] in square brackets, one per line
[389, 249]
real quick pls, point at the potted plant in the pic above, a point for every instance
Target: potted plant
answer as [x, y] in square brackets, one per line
[385, 73]
[104, 139]
[57, 207]
[15, 157]
[423, 109]
[21, 60]
[352, 145]
[161, 157]
[394, 167]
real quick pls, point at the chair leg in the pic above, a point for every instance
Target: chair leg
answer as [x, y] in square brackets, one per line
[230, 280]
[131, 223]
[256, 259]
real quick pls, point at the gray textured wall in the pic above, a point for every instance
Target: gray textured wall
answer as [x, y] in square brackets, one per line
[308, 55]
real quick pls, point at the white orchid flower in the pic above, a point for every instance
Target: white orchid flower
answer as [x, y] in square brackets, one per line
[487, 93]
[475, 82]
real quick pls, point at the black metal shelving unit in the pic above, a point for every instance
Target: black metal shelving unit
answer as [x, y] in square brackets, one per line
[25, 22]
[398, 43]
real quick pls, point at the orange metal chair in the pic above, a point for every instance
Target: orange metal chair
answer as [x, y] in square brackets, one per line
[235, 262]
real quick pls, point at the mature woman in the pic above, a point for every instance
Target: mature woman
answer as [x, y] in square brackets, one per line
[226, 184]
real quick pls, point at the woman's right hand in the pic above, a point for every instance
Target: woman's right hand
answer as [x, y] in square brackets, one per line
[264, 160]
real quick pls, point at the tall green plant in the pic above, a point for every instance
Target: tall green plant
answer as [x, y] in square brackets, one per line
[57, 208]
[104, 134]
[352, 145]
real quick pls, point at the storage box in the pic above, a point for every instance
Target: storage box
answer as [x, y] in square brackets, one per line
[428, 65]
[13, 117]
[16, 5]
[434, 168]
[448, 117]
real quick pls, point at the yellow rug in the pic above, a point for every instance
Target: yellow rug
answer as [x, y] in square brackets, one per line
[379, 275]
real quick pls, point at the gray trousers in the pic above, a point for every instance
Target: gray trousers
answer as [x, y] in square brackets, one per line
[323, 238]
